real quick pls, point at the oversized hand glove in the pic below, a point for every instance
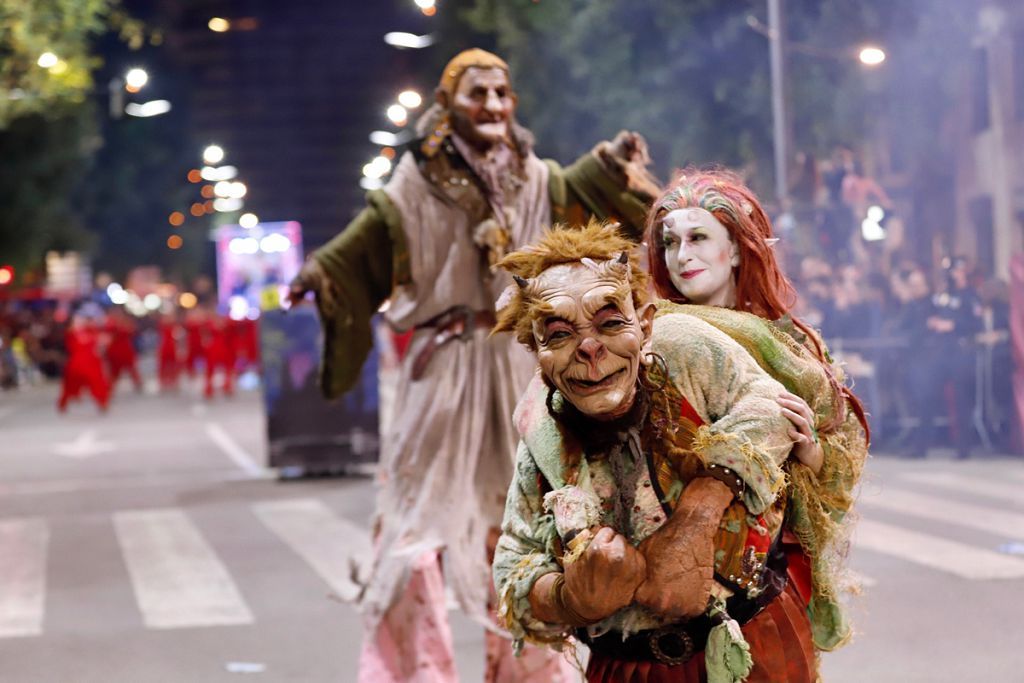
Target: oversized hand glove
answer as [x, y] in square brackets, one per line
[626, 158]
[311, 278]
[681, 554]
[604, 578]
[630, 146]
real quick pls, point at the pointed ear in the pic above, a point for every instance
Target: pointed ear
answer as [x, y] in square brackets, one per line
[646, 317]
[734, 255]
[441, 97]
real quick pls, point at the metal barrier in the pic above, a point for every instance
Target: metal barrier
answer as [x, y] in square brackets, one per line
[862, 356]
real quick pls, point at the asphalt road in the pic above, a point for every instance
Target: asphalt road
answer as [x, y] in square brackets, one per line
[150, 544]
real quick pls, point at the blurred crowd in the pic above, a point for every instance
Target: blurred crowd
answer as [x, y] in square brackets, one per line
[89, 348]
[926, 343]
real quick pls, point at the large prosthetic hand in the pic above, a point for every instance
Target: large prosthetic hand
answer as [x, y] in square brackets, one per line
[680, 556]
[600, 582]
[312, 278]
[626, 157]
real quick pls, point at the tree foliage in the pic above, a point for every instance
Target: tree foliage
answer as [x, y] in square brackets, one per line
[43, 162]
[694, 76]
[65, 28]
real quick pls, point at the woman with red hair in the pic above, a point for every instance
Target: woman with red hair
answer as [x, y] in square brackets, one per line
[709, 247]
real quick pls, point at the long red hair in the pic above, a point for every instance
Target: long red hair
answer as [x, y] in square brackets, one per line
[761, 286]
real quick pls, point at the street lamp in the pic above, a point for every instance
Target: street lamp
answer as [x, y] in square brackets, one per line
[398, 114]
[870, 55]
[213, 154]
[135, 80]
[779, 128]
[403, 40]
[410, 99]
[775, 31]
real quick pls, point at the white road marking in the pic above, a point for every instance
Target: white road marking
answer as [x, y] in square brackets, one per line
[997, 522]
[334, 547]
[984, 488]
[963, 560]
[76, 484]
[84, 446]
[231, 448]
[179, 581]
[23, 547]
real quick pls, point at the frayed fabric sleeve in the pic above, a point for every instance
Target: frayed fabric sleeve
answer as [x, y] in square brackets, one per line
[746, 431]
[525, 552]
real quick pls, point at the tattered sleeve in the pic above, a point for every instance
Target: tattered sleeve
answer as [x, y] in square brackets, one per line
[590, 188]
[360, 262]
[525, 552]
[745, 431]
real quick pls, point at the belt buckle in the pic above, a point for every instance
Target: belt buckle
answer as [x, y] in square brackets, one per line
[674, 638]
[463, 315]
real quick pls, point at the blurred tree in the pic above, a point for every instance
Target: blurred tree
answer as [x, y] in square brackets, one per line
[62, 30]
[693, 76]
[71, 178]
[43, 161]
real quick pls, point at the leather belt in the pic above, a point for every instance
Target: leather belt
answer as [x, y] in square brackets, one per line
[458, 322]
[677, 643]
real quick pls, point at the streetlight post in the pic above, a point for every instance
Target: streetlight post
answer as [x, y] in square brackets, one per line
[780, 127]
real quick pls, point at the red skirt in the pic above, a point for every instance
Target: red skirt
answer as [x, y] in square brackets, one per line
[780, 644]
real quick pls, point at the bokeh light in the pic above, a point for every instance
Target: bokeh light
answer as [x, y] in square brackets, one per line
[397, 114]
[176, 218]
[213, 154]
[410, 99]
[174, 242]
[219, 24]
[871, 55]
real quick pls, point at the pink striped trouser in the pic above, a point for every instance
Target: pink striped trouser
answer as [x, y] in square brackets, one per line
[413, 643]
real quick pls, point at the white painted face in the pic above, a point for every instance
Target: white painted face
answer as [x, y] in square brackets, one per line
[700, 257]
[589, 345]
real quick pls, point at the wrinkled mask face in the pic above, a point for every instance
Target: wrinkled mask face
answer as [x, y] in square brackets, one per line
[700, 256]
[482, 106]
[589, 341]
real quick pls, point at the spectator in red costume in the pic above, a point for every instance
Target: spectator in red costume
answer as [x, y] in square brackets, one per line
[121, 350]
[245, 333]
[168, 361]
[220, 353]
[196, 324]
[84, 369]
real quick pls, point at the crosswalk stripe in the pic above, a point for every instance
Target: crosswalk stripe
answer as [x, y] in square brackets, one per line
[179, 581]
[231, 449]
[23, 547]
[973, 485]
[331, 545]
[963, 560]
[996, 522]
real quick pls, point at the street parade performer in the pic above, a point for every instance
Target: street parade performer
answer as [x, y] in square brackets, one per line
[468, 190]
[710, 248]
[648, 500]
